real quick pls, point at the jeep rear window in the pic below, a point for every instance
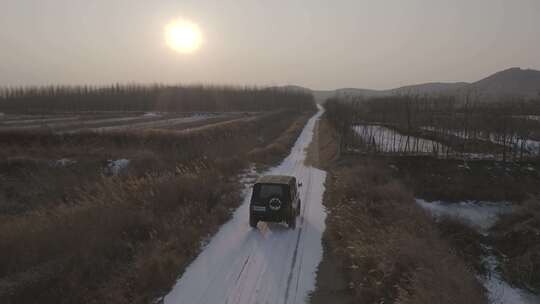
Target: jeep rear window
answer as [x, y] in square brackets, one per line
[266, 191]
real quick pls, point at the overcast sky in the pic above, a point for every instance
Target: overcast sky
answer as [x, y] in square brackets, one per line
[319, 44]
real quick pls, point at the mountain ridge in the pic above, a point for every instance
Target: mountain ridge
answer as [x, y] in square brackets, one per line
[512, 82]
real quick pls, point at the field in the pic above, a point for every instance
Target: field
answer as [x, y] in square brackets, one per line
[102, 203]
[419, 182]
[114, 121]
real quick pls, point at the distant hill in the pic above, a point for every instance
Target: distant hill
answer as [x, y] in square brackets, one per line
[510, 82]
[323, 95]
[431, 88]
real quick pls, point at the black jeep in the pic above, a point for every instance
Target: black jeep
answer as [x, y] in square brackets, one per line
[275, 198]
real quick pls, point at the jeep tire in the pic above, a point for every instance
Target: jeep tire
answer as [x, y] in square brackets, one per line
[253, 221]
[291, 221]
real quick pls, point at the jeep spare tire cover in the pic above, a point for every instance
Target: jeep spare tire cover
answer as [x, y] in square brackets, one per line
[274, 203]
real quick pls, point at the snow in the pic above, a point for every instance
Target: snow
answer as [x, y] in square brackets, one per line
[459, 134]
[530, 117]
[152, 114]
[77, 124]
[249, 176]
[80, 124]
[529, 145]
[154, 123]
[65, 122]
[115, 167]
[388, 140]
[63, 162]
[500, 292]
[102, 120]
[479, 156]
[271, 264]
[37, 123]
[480, 215]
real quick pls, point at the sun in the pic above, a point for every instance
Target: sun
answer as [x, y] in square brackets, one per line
[183, 36]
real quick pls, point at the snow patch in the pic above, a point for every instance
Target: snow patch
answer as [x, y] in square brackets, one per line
[37, 122]
[63, 162]
[529, 146]
[152, 114]
[499, 291]
[478, 156]
[479, 215]
[116, 167]
[388, 140]
[249, 176]
[529, 117]
[160, 123]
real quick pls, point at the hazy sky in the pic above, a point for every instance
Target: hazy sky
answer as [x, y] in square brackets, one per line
[314, 43]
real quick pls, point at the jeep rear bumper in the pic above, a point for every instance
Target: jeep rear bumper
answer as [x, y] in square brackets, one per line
[263, 213]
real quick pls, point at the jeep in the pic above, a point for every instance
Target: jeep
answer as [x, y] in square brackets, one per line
[275, 198]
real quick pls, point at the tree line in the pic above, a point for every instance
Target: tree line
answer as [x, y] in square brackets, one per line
[157, 97]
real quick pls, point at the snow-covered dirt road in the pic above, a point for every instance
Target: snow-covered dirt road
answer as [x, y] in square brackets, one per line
[271, 264]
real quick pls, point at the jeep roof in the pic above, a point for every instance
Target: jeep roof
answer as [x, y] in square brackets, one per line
[276, 179]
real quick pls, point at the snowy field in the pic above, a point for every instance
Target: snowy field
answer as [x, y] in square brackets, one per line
[388, 140]
[529, 117]
[105, 122]
[271, 264]
[529, 146]
[152, 124]
[33, 121]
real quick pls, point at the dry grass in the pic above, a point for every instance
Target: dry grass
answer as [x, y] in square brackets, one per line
[390, 249]
[26, 171]
[125, 239]
[27, 183]
[517, 237]
[111, 228]
[454, 180]
[392, 252]
[272, 153]
[330, 288]
[465, 241]
[323, 148]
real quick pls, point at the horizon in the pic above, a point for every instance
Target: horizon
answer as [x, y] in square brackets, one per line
[257, 86]
[241, 44]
